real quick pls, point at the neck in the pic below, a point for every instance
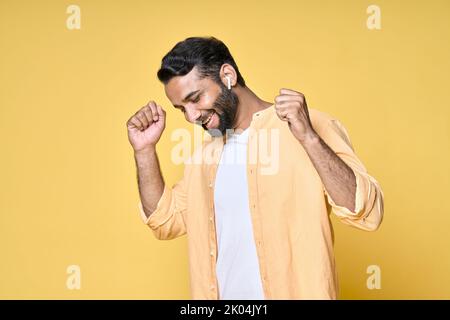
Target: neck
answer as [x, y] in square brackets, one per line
[249, 103]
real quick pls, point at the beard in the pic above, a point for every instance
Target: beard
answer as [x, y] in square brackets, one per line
[225, 107]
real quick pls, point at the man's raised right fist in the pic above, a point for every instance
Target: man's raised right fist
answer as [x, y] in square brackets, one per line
[146, 126]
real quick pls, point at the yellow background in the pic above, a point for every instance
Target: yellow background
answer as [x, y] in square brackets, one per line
[68, 181]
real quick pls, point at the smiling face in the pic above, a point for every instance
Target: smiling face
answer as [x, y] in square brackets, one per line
[203, 101]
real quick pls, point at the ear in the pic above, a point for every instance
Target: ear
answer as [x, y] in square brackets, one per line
[227, 70]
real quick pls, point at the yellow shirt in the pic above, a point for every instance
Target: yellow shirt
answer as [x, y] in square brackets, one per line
[289, 209]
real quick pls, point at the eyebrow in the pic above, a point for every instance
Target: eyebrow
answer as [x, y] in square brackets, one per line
[187, 97]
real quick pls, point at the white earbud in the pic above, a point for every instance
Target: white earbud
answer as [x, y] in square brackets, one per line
[229, 82]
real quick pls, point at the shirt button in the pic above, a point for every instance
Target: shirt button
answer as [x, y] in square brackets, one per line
[210, 185]
[211, 253]
[213, 287]
[210, 218]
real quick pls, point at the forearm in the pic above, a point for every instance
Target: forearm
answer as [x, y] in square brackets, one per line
[337, 177]
[150, 180]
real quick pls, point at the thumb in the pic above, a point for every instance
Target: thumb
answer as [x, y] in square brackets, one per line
[161, 112]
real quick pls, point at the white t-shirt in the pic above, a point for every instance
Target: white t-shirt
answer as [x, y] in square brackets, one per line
[237, 265]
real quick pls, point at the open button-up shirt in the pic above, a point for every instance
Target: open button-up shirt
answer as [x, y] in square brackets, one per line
[289, 205]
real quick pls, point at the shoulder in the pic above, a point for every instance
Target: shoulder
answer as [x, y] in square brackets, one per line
[328, 126]
[320, 118]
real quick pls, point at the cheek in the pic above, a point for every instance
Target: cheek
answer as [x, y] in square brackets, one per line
[207, 102]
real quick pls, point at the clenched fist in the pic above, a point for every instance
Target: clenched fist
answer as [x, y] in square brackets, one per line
[146, 126]
[291, 106]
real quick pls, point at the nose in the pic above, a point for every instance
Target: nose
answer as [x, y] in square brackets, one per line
[192, 115]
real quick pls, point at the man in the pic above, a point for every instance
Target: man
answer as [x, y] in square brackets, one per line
[251, 234]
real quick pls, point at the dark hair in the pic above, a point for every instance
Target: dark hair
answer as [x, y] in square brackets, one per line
[208, 54]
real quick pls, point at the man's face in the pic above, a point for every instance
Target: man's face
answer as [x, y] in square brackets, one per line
[203, 101]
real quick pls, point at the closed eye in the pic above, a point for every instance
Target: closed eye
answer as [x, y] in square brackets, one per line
[195, 100]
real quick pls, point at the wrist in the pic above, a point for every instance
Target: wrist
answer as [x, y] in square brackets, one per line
[143, 152]
[309, 139]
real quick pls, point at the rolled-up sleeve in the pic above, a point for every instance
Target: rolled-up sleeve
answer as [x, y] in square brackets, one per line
[369, 205]
[168, 220]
